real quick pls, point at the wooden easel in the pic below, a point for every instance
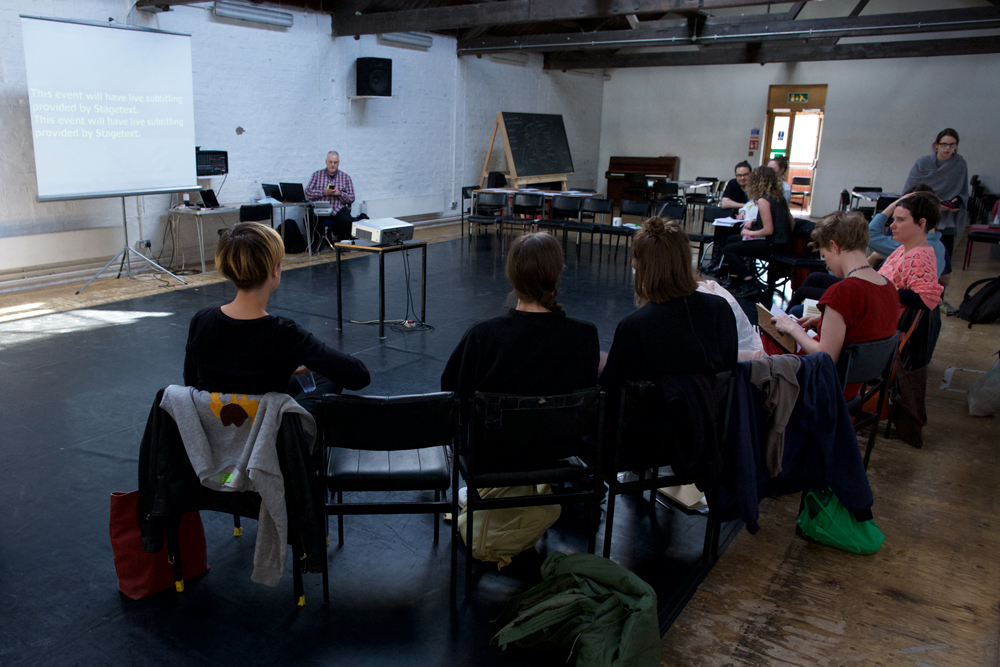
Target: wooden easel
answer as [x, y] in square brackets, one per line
[513, 180]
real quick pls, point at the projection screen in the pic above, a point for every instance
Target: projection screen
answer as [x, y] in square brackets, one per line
[111, 109]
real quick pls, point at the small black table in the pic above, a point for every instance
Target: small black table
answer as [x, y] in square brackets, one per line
[368, 246]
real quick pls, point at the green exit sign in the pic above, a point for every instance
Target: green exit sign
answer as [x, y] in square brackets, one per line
[798, 98]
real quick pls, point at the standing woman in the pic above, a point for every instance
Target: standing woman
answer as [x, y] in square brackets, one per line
[770, 232]
[947, 174]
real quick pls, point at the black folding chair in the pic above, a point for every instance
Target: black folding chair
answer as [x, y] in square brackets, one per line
[467, 194]
[530, 205]
[502, 447]
[489, 209]
[388, 444]
[869, 364]
[641, 445]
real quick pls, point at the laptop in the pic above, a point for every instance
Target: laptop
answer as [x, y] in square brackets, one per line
[209, 200]
[292, 192]
[272, 191]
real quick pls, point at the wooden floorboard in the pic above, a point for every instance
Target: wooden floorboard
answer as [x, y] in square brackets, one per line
[929, 597]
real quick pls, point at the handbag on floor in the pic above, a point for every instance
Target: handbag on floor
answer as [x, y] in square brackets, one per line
[501, 534]
[140, 573]
[825, 520]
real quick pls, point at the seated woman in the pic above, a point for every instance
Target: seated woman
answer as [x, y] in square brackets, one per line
[913, 265]
[677, 329]
[239, 348]
[862, 306]
[883, 245]
[533, 350]
[770, 232]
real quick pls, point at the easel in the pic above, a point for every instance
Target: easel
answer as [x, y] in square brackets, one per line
[125, 254]
[513, 180]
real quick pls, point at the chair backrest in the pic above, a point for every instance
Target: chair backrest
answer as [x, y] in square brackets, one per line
[865, 188]
[640, 419]
[255, 212]
[519, 425]
[523, 202]
[593, 205]
[636, 179]
[671, 210]
[389, 423]
[713, 212]
[883, 203]
[632, 207]
[664, 189]
[845, 200]
[703, 179]
[561, 204]
[468, 190]
[491, 200]
[866, 362]
[801, 180]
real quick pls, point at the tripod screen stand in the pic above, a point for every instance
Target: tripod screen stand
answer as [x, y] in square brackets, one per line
[125, 257]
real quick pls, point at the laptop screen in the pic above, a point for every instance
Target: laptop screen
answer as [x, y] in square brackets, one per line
[293, 192]
[209, 199]
[272, 191]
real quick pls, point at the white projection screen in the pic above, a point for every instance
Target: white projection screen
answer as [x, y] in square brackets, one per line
[111, 109]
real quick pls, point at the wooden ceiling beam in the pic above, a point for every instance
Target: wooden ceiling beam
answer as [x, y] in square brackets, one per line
[772, 52]
[350, 19]
[720, 31]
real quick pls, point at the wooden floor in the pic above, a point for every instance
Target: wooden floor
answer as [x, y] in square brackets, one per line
[928, 598]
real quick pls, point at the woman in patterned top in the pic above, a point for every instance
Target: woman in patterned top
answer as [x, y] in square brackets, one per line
[913, 266]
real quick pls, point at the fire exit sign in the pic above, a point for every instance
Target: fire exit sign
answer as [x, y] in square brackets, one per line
[798, 98]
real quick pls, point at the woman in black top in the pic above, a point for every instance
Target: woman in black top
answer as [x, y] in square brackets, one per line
[770, 232]
[676, 330]
[533, 350]
[239, 348]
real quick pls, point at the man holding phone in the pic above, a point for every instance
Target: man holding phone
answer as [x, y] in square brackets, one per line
[334, 186]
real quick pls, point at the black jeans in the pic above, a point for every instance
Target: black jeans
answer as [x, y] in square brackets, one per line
[736, 249]
[813, 287]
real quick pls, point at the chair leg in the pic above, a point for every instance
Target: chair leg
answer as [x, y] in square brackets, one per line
[326, 575]
[297, 588]
[340, 520]
[454, 523]
[706, 552]
[638, 502]
[609, 520]
[237, 529]
[468, 542]
[174, 554]
[437, 517]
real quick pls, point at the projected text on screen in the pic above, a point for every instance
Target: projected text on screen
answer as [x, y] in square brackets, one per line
[111, 109]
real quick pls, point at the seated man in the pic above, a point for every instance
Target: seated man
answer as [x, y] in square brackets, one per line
[334, 186]
[734, 196]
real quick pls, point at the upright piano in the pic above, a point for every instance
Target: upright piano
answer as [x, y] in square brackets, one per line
[654, 168]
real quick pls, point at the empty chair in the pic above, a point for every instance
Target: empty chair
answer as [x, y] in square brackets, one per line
[256, 213]
[632, 207]
[467, 194]
[489, 209]
[564, 209]
[707, 240]
[388, 444]
[636, 186]
[804, 193]
[529, 205]
[665, 190]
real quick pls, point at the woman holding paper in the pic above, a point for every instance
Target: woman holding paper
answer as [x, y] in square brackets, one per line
[770, 232]
[864, 306]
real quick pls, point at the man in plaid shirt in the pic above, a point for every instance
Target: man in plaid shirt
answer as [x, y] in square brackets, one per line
[334, 186]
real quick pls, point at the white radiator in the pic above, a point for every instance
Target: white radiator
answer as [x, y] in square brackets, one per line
[403, 206]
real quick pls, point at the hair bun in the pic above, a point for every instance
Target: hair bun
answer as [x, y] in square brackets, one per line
[654, 226]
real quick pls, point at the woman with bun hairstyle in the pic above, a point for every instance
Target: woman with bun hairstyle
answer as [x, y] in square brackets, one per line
[534, 349]
[946, 172]
[677, 329]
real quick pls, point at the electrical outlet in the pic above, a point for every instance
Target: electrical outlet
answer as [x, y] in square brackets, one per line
[145, 243]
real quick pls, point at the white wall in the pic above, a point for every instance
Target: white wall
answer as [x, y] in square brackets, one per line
[881, 115]
[286, 89]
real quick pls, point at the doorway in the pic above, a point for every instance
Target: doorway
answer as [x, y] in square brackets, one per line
[795, 130]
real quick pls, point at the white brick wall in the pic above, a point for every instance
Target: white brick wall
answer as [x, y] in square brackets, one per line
[287, 90]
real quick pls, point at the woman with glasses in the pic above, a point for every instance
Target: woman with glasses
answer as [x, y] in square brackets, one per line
[947, 174]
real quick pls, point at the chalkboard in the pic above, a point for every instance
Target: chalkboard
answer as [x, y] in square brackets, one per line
[537, 143]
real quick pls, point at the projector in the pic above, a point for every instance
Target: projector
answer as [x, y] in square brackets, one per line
[382, 231]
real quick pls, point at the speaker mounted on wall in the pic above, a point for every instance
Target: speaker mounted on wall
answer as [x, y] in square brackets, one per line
[374, 77]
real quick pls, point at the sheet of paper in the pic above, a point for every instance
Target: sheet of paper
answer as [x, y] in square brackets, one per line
[726, 222]
[809, 308]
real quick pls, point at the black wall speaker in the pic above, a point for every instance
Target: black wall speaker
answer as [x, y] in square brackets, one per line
[375, 77]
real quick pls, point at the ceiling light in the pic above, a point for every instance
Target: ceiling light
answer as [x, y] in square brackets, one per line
[416, 39]
[239, 10]
[520, 59]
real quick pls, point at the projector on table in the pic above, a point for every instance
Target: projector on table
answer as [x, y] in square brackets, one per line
[382, 231]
